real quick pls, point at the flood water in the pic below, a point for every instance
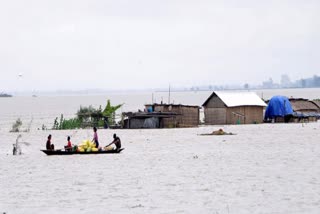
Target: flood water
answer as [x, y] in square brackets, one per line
[264, 168]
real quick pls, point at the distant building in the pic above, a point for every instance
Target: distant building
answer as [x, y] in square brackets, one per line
[224, 107]
[269, 84]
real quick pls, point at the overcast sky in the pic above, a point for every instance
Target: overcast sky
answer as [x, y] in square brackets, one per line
[120, 44]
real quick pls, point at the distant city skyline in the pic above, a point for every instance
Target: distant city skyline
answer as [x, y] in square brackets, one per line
[120, 45]
[285, 83]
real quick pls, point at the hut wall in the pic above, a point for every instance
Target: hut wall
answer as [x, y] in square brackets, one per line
[236, 115]
[254, 114]
[135, 123]
[169, 123]
[244, 115]
[215, 102]
[166, 122]
[188, 115]
[139, 123]
[215, 111]
[215, 116]
[312, 119]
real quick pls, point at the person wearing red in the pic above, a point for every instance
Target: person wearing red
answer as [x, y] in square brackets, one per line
[68, 147]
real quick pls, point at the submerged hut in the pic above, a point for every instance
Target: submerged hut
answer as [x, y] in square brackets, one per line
[317, 103]
[304, 109]
[163, 116]
[223, 107]
[139, 120]
[279, 109]
[186, 115]
[282, 109]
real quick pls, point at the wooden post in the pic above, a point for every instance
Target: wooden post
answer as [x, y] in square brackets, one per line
[169, 94]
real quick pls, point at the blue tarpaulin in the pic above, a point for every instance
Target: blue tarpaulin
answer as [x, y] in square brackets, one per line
[279, 106]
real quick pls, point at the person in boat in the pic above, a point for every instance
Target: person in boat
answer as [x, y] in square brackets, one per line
[68, 147]
[95, 137]
[49, 145]
[116, 141]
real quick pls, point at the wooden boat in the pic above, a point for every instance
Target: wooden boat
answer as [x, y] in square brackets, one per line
[60, 152]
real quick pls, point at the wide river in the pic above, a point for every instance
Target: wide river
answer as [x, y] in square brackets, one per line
[264, 168]
[43, 110]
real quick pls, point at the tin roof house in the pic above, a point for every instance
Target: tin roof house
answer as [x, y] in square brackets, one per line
[224, 107]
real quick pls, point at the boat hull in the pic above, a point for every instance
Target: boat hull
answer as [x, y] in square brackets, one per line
[60, 152]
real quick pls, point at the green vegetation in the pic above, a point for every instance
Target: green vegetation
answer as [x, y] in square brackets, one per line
[110, 112]
[72, 123]
[89, 117]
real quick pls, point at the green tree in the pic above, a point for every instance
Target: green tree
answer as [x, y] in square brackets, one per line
[110, 112]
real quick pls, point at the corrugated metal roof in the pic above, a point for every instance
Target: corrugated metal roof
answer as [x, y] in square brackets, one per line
[233, 99]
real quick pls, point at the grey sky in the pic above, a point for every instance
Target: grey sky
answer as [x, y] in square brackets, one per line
[78, 44]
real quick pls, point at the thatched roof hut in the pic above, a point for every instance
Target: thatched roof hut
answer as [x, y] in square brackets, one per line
[279, 109]
[303, 105]
[317, 103]
[304, 109]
